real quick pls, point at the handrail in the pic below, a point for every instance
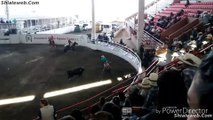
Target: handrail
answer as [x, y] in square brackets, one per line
[147, 70]
[124, 87]
[95, 103]
[128, 50]
[99, 94]
[7, 25]
[154, 38]
[211, 45]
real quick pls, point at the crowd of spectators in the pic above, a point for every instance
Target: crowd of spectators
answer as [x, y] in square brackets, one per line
[2, 21]
[197, 39]
[163, 22]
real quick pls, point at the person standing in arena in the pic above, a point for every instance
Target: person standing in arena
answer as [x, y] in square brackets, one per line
[51, 41]
[69, 42]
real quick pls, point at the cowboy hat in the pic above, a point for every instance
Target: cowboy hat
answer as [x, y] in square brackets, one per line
[190, 59]
[153, 77]
[145, 83]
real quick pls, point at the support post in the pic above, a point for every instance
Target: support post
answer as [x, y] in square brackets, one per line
[7, 11]
[140, 24]
[93, 37]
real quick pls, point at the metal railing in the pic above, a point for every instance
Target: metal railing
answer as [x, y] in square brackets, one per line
[125, 48]
[7, 25]
[151, 37]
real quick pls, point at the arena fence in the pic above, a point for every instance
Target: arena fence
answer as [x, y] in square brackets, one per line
[113, 48]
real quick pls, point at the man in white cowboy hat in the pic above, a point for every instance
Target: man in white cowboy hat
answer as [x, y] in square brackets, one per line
[190, 59]
[190, 64]
[153, 77]
[151, 101]
[145, 86]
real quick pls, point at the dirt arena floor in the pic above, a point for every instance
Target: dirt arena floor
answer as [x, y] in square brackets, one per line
[37, 69]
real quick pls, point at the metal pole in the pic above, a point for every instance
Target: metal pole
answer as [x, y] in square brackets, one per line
[93, 21]
[7, 11]
[140, 24]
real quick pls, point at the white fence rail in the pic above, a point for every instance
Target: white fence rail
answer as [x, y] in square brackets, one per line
[113, 48]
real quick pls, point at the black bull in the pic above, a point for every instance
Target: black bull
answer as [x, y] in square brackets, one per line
[78, 71]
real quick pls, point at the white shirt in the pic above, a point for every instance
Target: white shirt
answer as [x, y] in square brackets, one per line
[47, 112]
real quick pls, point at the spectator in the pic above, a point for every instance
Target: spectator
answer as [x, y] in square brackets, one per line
[116, 101]
[187, 3]
[201, 89]
[99, 106]
[200, 39]
[46, 112]
[190, 64]
[145, 85]
[113, 109]
[112, 35]
[194, 32]
[151, 100]
[172, 93]
[77, 114]
[103, 115]
[122, 98]
[205, 17]
[121, 42]
[141, 51]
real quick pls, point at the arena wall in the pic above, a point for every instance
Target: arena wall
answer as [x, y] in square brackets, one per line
[113, 48]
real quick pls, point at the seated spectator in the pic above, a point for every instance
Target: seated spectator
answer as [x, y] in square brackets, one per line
[116, 101]
[194, 32]
[145, 87]
[47, 111]
[201, 89]
[77, 114]
[187, 3]
[122, 98]
[191, 45]
[2, 21]
[99, 106]
[209, 38]
[189, 67]
[113, 109]
[100, 37]
[152, 97]
[205, 17]
[103, 115]
[176, 45]
[180, 13]
[172, 94]
[198, 14]
[200, 39]
[190, 60]
[134, 97]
